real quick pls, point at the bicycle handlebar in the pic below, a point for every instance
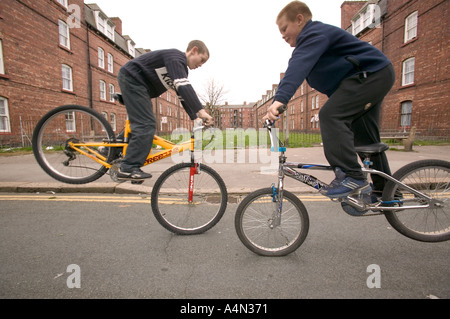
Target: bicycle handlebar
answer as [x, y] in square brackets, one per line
[281, 110]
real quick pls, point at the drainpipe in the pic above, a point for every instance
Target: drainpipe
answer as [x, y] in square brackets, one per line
[89, 73]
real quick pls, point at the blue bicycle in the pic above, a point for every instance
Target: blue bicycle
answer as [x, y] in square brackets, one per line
[416, 202]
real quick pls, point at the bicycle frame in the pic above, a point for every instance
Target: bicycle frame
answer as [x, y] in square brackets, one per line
[288, 169]
[169, 148]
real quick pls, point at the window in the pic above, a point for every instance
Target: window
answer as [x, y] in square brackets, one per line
[357, 26]
[111, 92]
[101, 58]
[408, 71]
[113, 121]
[4, 116]
[2, 65]
[131, 46]
[101, 24]
[64, 39]
[411, 27]
[313, 103]
[317, 102]
[67, 78]
[102, 90]
[110, 31]
[366, 18]
[63, 2]
[70, 122]
[110, 63]
[405, 116]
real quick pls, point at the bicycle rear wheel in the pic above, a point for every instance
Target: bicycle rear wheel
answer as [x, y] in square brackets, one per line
[77, 124]
[428, 224]
[256, 230]
[172, 207]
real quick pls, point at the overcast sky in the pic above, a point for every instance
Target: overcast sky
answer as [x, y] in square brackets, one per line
[247, 51]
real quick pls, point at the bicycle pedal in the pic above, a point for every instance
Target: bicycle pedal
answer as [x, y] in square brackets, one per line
[137, 182]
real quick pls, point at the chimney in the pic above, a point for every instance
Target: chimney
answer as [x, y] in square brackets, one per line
[118, 24]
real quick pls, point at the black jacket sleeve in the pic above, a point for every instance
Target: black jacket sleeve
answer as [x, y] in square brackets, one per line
[178, 72]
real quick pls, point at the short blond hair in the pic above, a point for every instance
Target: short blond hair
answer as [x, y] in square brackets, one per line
[202, 48]
[293, 9]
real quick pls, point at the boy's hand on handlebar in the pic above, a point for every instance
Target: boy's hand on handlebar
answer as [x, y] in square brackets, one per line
[273, 111]
[207, 119]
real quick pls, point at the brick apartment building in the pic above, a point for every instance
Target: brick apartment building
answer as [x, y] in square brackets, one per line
[302, 114]
[57, 52]
[235, 116]
[414, 35]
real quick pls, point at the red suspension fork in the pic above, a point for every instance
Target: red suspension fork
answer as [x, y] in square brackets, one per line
[191, 182]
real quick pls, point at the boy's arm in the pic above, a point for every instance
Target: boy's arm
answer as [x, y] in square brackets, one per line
[303, 59]
[186, 92]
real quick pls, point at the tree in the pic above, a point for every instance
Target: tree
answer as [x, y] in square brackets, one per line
[213, 97]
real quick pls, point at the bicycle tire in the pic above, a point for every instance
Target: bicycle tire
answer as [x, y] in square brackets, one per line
[431, 177]
[253, 229]
[170, 205]
[71, 123]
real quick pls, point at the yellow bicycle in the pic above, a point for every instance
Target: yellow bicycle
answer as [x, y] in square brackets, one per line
[75, 144]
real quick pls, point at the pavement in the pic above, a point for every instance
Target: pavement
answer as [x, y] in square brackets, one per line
[243, 170]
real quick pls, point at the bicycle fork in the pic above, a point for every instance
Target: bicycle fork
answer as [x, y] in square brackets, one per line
[277, 195]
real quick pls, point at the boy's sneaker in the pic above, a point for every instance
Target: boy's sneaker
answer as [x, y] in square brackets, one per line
[135, 174]
[348, 186]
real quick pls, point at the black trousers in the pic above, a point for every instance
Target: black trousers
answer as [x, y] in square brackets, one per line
[350, 118]
[142, 121]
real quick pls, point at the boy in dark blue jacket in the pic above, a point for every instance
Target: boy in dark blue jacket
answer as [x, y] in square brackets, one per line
[149, 76]
[355, 76]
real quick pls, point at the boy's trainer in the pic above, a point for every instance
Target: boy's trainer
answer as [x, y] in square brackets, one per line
[135, 174]
[348, 186]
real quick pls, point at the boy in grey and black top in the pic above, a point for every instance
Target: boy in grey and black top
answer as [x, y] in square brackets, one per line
[146, 77]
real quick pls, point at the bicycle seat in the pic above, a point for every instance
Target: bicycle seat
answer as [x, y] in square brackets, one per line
[118, 98]
[371, 149]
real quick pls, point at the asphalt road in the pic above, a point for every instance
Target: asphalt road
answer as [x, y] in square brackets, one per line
[118, 249]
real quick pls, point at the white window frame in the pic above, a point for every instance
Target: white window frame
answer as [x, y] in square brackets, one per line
[102, 90]
[64, 34]
[110, 30]
[101, 24]
[71, 125]
[5, 126]
[110, 63]
[63, 3]
[67, 81]
[406, 113]
[2, 65]
[131, 48]
[112, 90]
[101, 58]
[113, 121]
[411, 23]
[408, 71]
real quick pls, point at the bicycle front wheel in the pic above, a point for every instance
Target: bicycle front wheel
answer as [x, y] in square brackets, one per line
[68, 124]
[258, 230]
[189, 203]
[432, 222]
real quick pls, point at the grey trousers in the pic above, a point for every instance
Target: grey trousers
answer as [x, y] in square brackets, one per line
[350, 118]
[142, 121]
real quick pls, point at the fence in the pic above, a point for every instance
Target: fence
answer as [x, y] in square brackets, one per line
[23, 126]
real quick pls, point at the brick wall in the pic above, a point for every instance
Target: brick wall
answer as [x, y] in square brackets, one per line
[33, 59]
